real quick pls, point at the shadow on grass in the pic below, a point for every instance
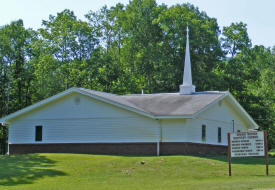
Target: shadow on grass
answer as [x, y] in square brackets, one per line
[25, 169]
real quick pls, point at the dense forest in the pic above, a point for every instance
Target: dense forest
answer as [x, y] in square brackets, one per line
[129, 48]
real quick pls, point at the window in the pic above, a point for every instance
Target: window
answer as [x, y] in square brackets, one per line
[219, 135]
[203, 133]
[38, 133]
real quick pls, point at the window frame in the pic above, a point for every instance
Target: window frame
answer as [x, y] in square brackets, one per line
[219, 135]
[203, 133]
[37, 137]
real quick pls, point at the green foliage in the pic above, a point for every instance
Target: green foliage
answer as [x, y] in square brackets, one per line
[134, 47]
[235, 38]
[205, 48]
[15, 68]
[71, 43]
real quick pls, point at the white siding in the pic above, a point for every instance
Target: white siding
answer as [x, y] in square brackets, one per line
[190, 130]
[71, 121]
[89, 120]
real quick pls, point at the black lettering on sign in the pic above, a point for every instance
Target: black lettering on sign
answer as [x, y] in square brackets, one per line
[247, 144]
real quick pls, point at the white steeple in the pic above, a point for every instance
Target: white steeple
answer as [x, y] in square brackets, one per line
[187, 87]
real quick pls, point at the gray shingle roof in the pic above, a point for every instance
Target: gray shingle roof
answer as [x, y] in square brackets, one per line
[163, 104]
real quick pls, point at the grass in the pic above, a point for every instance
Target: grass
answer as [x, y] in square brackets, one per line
[77, 171]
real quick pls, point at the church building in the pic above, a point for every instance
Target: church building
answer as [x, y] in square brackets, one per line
[80, 120]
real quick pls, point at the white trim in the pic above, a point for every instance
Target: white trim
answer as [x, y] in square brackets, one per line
[83, 142]
[135, 142]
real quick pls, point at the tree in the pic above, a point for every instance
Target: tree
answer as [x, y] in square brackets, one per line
[71, 42]
[233, 70]
[235, 38]
[143, 36]
[110, 76]
[263, 87]
[16, 72]
[205, 48]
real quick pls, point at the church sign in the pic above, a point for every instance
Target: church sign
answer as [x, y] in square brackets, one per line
[244, 144]
[247, 144]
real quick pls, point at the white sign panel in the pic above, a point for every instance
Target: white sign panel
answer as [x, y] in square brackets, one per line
[244, 144]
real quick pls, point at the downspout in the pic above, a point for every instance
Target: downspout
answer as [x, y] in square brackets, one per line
[159, 137]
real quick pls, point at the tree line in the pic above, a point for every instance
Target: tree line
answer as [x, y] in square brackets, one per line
[134, 47]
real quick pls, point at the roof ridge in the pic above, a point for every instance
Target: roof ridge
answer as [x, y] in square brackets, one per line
[158, 93]
[96, 91]
[149, 94]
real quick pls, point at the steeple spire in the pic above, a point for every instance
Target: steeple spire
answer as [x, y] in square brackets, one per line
[187, 87]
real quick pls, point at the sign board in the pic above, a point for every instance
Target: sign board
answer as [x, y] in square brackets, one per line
[245, 144]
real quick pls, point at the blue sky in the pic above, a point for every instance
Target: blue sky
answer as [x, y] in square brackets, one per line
[258, 15]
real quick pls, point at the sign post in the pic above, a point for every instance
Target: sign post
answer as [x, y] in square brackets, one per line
[247, 144]
[229, 154]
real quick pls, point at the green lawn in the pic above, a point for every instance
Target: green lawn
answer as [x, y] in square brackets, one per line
[81, 172]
